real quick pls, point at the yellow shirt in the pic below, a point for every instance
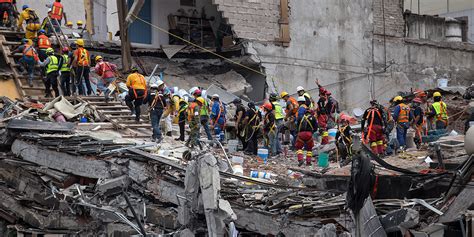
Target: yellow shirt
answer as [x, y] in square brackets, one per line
[136, 81]
[24, 15]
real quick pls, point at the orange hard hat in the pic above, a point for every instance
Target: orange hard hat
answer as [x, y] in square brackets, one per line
[268, 106]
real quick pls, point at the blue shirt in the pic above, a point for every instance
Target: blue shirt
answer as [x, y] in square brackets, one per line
[216, 110]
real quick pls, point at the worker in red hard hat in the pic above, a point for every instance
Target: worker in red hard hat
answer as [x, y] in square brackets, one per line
[270, 129]
[344, 141]
[374, 131]
[418, 121]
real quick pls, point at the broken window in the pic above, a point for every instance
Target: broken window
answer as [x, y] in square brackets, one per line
[188, 3]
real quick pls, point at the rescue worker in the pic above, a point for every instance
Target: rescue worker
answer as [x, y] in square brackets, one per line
[69, 24]
[323, 119]
[438, 112]
[332, 108]
[374, 131]
[344, 141]
[418, 121]
[290, 114]
[279, 119]
[47, 24]
[402, 117]
[79, 25]
[306, 125]
[65, 72]
[6, 7]
[137, 91]
[57, 12]
[182, 116]
[218, 114]
[82, 63]
[32, 21]
[156, 104]
[301, 92]
[239, 118]
[270, 129]
[107, 72]
[51, 65]
[252, 127]
[204, 114]
[43, 44]
[194, 122]
[29, 58]
[74, 84]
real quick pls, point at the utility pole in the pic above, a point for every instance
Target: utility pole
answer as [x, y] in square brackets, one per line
[125, 41]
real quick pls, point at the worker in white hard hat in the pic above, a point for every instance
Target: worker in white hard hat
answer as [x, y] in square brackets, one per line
[156, 100]
[302, 92]
[218, 114]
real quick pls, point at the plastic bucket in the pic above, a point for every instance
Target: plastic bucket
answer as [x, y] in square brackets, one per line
[260, 174]
[238, 170]
[323, 159]
[442, 82]
[263, 153]
[232, 145]
[332, 132]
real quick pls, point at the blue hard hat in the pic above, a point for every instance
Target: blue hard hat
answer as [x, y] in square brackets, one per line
[42, 31]
[25, 7]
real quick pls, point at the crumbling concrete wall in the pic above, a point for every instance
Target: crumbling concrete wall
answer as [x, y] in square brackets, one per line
[388, 14]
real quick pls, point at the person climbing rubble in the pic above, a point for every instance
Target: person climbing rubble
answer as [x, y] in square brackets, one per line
[43, 44]
[137, 91]
[156, 101]
[31, 20]
[344, 141]
[81, 62]
[270, 129]
[418, 121]
[218, 115]
[57, 13]
[107, 72]
[402, 116]
[374, 131]
[291, 110]
[306, 125]
[279, 119]
[65, 71]
[194, 122]
[29, 59]
[239, 117]
[438, 112]
[51, 66]
[252, 128]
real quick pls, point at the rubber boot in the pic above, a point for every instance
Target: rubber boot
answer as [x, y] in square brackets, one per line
[300, 157]
[309, 157]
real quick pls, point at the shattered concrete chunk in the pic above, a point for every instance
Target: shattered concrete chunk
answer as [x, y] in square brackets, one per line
[328, 230]
[113, 186]
[162, 216]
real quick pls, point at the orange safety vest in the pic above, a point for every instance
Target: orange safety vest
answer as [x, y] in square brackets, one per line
[143, 82]
[57, 11]
[82, 56]
[29, 51]
[403, 116]
[295, 106]
[191, 108]
[43, 42]
[6, 1]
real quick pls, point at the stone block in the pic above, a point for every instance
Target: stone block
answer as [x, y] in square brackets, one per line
[113, 186]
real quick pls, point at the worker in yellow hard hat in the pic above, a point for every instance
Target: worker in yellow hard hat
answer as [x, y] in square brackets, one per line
[32, 20]
[402, 116]
[81, 62]
[438, 112]
[69, 24]
[80, 25]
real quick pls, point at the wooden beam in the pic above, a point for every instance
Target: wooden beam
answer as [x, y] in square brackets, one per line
[125, 41]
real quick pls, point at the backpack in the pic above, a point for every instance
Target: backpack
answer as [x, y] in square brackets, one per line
[33, 17]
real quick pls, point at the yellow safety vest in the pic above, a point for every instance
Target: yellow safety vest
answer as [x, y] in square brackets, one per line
[278, 111]
[65, 67]
[441, 111]
[53, 64]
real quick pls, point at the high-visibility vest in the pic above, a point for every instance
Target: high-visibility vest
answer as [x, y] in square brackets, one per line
[292, 101]
[43, 42]
[278, 111]
[139, 79]
[82, 56]
[191, 111]
[29, 51]
[309, 98]
[441, 111]
[6, 1]
[403, 115]
[204, 108]
[57, 11]
[65, 67]
[53, 64]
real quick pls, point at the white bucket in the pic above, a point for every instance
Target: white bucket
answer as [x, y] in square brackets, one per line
[238, 170]
[442, 82]
[232, 145]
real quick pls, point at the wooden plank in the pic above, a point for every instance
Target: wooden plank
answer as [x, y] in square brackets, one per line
[110, 112]
[29, 125]
[6, 51]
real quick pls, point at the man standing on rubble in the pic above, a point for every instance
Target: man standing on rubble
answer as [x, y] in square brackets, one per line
[374, 132]
[402, 116]
[107, 72]
[270, 129]
[204, 114]
[418, 121]
[279, 116]
[323, 119]
[29, 58]
[439, 112]
[218, 114]
[194, 122]
[290, 114]
[182, 116]
[156, 101]
[302, 92]
[344, 141]
[239, 121]
[82, 63]
[137, 91]
[65, 72]
[306, 124]
[252, 127]
[51, 64]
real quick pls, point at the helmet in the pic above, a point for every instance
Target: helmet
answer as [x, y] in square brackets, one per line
[80, 42]
[301, 99]
[98, 57]
[273, 96]
[417, 100]
[159, 83]
[41, 31]
[397, 98]
[24, 41]
[154, 86]
[299, 88]
[436, 94]
[197, 92]
[49, 51]
[268, 106]
[49, 10]
[65, 49]
[283, 94]
[29, 42]
[420, 93]
[373, 102]
[215, 96]
[237, 101]
[201, 100]
[328, 92]
[69, 23]
[79, 22]
[25, 7]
